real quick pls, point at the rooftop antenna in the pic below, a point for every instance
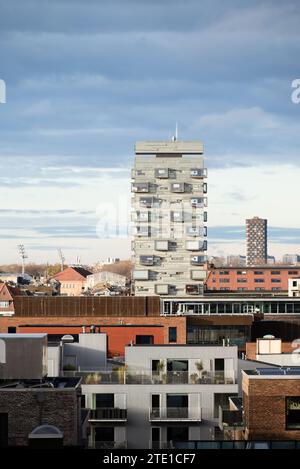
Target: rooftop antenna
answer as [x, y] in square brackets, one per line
[175, 137]
[23, 256]
[62, 259]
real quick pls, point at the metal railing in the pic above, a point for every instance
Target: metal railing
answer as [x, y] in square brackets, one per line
[175, 413]
[108, 445]
[108, 413]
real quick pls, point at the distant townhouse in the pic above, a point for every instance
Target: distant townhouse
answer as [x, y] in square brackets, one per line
[72, 280]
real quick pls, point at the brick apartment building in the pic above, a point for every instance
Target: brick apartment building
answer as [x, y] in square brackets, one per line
[50, 416]
[271, 403]
[251, 279]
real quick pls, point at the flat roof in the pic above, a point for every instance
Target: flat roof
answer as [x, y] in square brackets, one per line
[37, 384]
[176, 147]
[282, 371]
[181, 345]
[38, 335]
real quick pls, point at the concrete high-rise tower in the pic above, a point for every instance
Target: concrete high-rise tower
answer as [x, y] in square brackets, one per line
[256, 237]
[168, 210]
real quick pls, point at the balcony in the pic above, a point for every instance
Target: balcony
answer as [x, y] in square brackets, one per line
[175, 414]
[199, 202]
[178, 187]
[198, 172]
[147, 377]
[141, 187]
[108, 445]
[198, 260]
[108, 414]
[162, 173]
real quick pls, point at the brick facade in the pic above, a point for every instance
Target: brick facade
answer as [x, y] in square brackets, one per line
[264, 402]
[27, 410]
[73, 325]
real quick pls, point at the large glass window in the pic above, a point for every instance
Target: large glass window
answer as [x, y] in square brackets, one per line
[292, 413]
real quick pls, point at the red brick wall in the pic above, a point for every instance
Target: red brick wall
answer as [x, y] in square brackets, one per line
[265, 407]
[118, 337]
[213, 280]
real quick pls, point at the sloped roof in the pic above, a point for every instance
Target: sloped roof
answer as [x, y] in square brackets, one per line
[7, 292]
[72, 274]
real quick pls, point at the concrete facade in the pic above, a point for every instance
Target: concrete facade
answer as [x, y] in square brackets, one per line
[23, 356]
[169, 215]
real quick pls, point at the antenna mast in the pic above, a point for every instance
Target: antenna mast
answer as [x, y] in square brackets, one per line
[23, 256]
[62, 259]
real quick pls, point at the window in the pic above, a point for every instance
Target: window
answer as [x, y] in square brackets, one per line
[258, 280]
[104, 434]
[258, 272]
[276, 288]
[4, 304]
[224, 280]
[224, 272]
[105, 401]
[177, 405]
[178, 433]
[12, 330]
[241, 280]
[259, 289]
[275, 272]
[192, 289]
[292, 272]
[172, 334]
[242, 289]
[144, 339]
[292, 420]
[275, 280]
[294, 283]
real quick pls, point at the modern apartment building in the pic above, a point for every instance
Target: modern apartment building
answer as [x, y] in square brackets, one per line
[271, 403]
[165, 394]
[256, 237]
[169, 214]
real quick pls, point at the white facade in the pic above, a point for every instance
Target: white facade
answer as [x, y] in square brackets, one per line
[105, 277]
[168, 393]
[294, 287]
[169, 215]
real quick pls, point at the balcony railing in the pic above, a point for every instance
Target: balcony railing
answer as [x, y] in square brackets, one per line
[108, 414]
[188, 414]
[108, 445]
[146, 377]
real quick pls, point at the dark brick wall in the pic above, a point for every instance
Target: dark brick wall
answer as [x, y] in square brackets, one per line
[25, 413]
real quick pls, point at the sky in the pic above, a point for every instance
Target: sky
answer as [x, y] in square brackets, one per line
[86, 79]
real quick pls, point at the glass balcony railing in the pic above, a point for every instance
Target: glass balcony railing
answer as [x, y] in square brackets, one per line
[175, 414]
[145, 377]
[108, 445]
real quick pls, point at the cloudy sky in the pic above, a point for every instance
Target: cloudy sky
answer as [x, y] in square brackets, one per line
[87, 78]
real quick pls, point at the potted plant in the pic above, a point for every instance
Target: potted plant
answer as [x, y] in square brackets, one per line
[194, 378]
